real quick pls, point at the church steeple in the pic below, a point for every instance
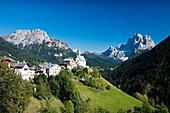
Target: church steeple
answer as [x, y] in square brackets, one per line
[78, 52]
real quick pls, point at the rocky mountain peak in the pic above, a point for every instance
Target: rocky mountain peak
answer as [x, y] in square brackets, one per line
[139, 42]
[27, 37]
[30, 37]
[134, 45]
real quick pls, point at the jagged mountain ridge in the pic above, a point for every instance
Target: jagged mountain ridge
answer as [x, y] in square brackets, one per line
[37, 42]
[135, 45]
[24, 38]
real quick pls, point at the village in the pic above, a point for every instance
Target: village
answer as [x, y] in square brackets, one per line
[27, 72]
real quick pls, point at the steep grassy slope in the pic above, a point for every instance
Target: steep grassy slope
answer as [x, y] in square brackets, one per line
[35, 105]
[112, 100]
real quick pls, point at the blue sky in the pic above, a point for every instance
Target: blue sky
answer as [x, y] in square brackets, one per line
[92, 25]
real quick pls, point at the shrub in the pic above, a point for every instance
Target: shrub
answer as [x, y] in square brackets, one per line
[42, 87]
[47, 107]
[141, 97]
[96, 73]
[108, 87]
[99, 110]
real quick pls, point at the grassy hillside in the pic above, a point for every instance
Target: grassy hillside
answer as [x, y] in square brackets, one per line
[36, 104]
[33, 106]
[112, 100]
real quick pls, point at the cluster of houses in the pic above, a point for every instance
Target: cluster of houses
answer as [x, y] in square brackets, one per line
[27, 72]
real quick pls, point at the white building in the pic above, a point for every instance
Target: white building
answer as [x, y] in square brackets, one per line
[53, 69]
[24, 69]
[41, 69]
[48, 69]
[80, 60]
[70, 63]
[8, 61]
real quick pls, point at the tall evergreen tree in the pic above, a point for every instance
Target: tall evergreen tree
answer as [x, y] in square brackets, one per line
[14, 92]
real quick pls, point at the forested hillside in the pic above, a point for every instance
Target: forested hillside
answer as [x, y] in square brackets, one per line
[148, 74]
[50, 54]
[100, 61]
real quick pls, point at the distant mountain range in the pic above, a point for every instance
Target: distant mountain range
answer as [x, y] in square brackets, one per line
[38, 44]
[135, 45]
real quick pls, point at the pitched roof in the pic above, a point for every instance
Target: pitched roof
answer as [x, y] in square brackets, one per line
[53, 65]
[68, 59]
[43, 65]
[20, 64]
[81, 58]
[47, 65]
[7, 58]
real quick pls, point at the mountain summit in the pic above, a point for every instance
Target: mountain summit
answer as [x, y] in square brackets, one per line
[37, 42]
[24, 38]
[135, 45]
